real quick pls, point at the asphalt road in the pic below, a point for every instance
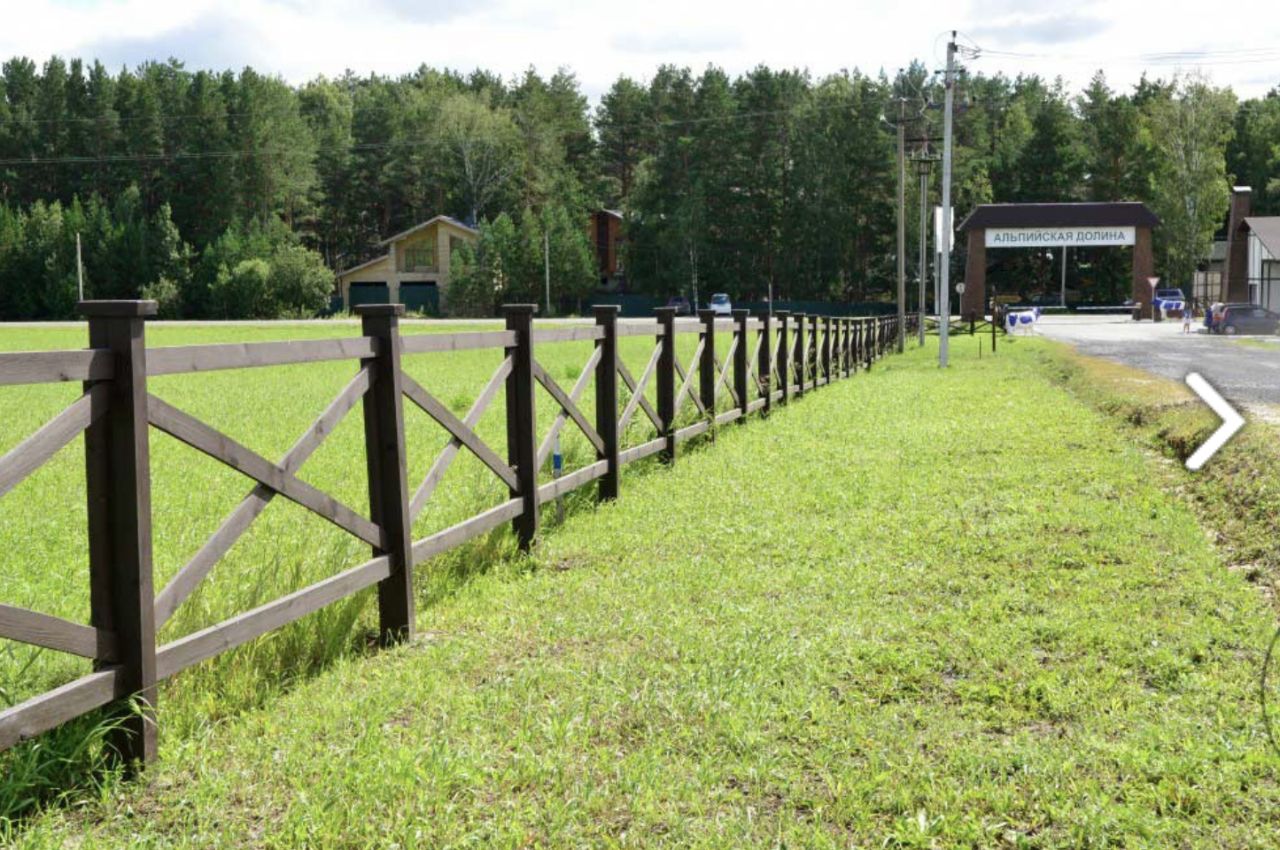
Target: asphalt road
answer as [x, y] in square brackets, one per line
[1247, 373]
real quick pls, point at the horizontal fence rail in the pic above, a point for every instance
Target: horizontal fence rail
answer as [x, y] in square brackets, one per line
[769, 360]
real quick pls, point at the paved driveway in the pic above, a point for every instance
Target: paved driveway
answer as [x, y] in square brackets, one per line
[1245, 370]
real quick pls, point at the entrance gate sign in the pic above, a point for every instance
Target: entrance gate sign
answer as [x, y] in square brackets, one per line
[1056, 237]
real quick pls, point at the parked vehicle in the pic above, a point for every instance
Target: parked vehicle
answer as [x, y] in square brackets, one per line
[1170, 295]
[681, 304]
[1246, 319]
[720, 304]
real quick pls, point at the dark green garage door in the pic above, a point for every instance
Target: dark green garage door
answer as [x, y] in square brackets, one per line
[370, 293]
[420, 298]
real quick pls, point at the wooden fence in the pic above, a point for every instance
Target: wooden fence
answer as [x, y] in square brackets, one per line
[792, 355]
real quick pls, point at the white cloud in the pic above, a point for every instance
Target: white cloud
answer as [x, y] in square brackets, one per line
[300, 39]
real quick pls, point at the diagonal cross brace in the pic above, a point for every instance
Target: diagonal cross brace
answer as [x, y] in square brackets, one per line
[455, 426]
[567, 405]
[450, 451]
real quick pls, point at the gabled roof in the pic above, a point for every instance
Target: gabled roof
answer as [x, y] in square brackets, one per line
[424, 225]
[1087, 214]
[1267, 229]
[365, 264]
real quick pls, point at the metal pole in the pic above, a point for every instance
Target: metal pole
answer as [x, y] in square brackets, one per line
[79, 269]
[1064, 277]
[924, 249]
[546, 265]
[557, 469]
[902, 221]
[945, 273]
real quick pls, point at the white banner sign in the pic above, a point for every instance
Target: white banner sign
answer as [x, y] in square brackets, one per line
[938, 245]
[1056, 237]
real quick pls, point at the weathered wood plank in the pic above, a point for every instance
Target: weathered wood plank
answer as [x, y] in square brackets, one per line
[567, 334]
[723, 371]
[640, 329]
[567, 405]
[53, 708]
[460, 432]
[47, 367]
[579, 387]
[56, 633]
[572, 481]
[454, 535]
[450, 451]
[219, 446]
[728, 416]
[637, 389]
[688, 381]
[251, 355]
[32, 453]
[216, 639]
[693, 430]
[238, 521]
[643, 450]
[755, 405]
[459, 341]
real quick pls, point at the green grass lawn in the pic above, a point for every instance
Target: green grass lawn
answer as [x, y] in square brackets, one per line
[43, 548]
[916, 609]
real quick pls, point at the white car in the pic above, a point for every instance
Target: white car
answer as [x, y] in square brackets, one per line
[720, 304]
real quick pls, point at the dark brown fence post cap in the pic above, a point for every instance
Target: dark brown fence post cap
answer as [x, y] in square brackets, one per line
[519, 309]
[606, 310]
[122, 309]
[706, 313]
[664, 311]
[379, 309]
[783, 313]
[741, 314]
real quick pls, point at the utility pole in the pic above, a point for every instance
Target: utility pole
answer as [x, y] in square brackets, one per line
[924, 161]
[79, 268]
[902, 222]
[945, 272]
[1064, 277]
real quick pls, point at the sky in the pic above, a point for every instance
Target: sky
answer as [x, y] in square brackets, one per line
[598, 41]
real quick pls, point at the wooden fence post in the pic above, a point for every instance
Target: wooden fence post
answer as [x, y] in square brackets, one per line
[868, 342]
[802, 352]
[784, 354]
[385, 458]
[522, 440]
[741, 357]
[707, 364]
[667, 381]
[607, 399]
[846, 351]
[765, 357]
[827, 340]
[118, 484]
[814, 340]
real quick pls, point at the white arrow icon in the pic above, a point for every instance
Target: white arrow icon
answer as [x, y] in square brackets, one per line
[1231, 421]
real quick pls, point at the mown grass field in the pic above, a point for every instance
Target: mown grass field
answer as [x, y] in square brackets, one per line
[916, 609]
[43, 555]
